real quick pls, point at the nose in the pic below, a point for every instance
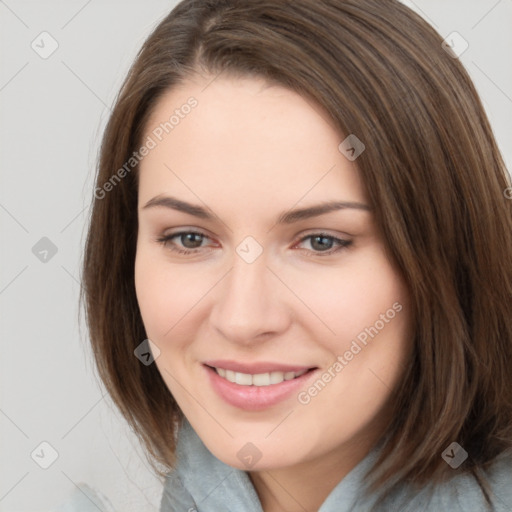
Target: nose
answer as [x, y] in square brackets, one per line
[250, 305]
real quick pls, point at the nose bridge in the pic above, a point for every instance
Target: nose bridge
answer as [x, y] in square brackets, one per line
[249, 302]
[245, 289]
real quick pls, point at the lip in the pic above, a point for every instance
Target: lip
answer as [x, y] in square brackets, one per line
[255, 368]
[256, 398]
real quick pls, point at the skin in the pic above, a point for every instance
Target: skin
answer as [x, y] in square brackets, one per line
[249, 152]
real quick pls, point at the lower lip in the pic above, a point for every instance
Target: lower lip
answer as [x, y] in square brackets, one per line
[255, 398]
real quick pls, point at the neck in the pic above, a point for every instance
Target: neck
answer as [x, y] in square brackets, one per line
[305, 486]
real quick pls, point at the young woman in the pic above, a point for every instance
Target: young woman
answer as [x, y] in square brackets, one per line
[297, 273]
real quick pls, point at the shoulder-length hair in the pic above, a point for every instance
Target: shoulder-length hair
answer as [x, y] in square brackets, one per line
[434, 175]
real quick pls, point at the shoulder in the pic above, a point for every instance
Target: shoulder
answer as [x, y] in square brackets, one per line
[499, 481]
[85, 499]
[175, 496]
[463, 492]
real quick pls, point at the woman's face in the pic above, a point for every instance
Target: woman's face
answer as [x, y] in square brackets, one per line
[258, 278]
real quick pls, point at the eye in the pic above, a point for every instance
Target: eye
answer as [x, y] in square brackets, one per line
[323, 244]
[190, 241]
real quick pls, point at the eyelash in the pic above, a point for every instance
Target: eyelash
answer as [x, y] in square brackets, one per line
[342, 244]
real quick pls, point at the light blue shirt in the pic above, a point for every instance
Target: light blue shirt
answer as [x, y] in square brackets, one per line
[202, 483]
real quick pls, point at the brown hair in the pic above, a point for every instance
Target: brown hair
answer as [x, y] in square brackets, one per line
[434, 175]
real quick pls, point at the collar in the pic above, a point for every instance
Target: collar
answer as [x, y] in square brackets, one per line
[203, 483]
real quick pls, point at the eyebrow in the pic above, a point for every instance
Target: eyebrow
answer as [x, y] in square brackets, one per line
[287, 217]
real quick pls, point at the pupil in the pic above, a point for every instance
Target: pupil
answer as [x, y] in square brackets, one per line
[190, 241]
[323, 240]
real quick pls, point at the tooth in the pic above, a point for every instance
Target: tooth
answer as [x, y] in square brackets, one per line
[245, 379]
[276, 377]
[261, 379]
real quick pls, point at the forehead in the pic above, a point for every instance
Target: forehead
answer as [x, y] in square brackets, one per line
[244, 139]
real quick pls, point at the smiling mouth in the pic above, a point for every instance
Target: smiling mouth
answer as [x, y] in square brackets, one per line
[258, 379]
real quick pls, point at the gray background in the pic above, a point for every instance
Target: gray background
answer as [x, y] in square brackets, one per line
[53, 112]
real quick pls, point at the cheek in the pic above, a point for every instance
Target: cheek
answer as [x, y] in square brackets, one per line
[345, 300]
[367, 307]
[165, 294]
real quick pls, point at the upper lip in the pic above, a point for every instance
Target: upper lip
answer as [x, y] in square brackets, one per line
[256, 367]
